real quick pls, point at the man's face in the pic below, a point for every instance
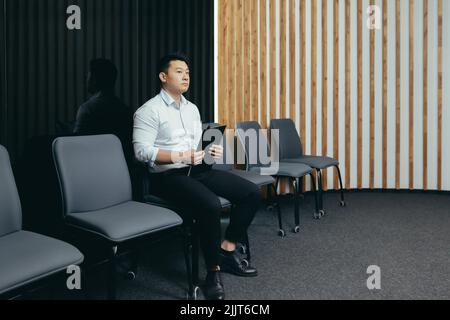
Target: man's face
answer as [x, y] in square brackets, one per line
[177, 79]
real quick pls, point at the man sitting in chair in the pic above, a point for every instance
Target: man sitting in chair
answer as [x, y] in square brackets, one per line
[167, 131]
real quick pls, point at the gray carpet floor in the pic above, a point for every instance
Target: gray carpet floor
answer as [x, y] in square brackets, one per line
[406, 234]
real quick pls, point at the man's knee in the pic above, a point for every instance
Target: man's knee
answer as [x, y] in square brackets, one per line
[210, 208]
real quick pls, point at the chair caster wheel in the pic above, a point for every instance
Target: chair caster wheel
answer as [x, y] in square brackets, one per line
[317, 216]
[342, 203]
[245, 262]
[130, 275]
[297, 229]
[193, 295]
[322, 213]
[281, 233]
[242, 249]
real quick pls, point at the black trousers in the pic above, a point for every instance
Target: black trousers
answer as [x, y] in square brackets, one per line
[197, 195]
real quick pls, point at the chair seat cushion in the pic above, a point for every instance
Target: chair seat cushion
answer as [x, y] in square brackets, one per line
[293, 170]
[259, 180]
[315, 162]
[125, 221]
[26, 257]
[157, 201]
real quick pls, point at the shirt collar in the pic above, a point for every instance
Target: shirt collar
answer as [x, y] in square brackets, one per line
[168, 100]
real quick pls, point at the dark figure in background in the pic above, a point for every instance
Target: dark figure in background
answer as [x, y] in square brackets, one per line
[104, 113]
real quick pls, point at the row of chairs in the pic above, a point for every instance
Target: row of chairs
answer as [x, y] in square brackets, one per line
[97, 203]
[293, 163]
[25, 257]
[97, 200]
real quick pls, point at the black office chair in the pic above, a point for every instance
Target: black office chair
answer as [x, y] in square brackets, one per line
[254, 163]
[254, 177]
[97, 196]
[259, 180]
[25, 257]
[291, 150]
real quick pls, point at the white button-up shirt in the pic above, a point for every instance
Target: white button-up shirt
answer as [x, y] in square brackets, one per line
[161, 124]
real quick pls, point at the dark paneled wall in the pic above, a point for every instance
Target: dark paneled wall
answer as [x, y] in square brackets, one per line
[47, 63]
[2, 72]
[177, 28]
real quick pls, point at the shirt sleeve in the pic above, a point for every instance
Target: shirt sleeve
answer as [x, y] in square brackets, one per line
[145, 131]
[197, 128]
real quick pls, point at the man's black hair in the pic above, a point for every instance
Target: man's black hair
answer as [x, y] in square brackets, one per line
[104, 72]
[165, 61]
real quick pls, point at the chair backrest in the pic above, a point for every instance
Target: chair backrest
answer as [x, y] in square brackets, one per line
[252, 140]
[92, 172]
[290, 145]
[10, 209]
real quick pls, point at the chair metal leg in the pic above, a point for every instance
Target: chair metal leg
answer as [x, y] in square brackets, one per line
[297, 206]
[320, 191]
[112, 285]
[342, 202]
[300, 187]
[281, 231]
[132, 272]
[271, 202]
[187, 245]
[317, 214]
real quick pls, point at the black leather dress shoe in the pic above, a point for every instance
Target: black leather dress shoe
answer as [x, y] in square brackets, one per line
[213, 288]
[232, 263]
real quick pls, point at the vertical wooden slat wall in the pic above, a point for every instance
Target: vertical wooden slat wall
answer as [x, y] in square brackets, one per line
[247, 67]
[439, 133]
[348, 115]
[336, 69]
[359, 161]
[302, 72]
[325, 84]
[253, 75]
[397, 93]
[238, 67]
[384, 94]
[273, 60]
[313, 70]
[292, 61]
[425, 94]
[262, 63]
[282, 68]
[411, 94]
[266, 55]
[283, 42]
[372, 107]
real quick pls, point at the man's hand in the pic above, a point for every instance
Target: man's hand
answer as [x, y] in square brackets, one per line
[216, 151]
[193, 157]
